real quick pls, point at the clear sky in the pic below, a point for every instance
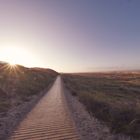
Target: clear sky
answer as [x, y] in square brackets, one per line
[71, 35]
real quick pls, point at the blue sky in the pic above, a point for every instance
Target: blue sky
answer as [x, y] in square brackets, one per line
[72, 35]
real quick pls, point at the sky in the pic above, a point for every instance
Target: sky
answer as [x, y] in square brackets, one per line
[71, 35]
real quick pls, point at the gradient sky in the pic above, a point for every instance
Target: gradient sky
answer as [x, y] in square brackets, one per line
[72, 35]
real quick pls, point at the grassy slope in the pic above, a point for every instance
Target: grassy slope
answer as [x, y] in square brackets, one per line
[18, 84]
[113, 98]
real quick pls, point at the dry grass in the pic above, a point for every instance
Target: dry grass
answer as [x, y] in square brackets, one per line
[112, 97]
[18, 84]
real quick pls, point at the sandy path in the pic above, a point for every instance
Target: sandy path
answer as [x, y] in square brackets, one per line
[50, 119]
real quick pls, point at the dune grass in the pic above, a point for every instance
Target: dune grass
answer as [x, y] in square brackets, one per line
[111, 97]
[19, 84]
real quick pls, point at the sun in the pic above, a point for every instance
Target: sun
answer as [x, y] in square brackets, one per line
[12, 63]
[11, 55]
[14, 55]
[15, 52]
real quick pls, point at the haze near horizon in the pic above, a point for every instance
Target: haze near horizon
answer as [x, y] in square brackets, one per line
[71, 36]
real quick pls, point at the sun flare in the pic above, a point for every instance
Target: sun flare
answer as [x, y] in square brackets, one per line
[15, 55]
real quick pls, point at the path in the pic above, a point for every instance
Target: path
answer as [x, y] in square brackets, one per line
[49, 120]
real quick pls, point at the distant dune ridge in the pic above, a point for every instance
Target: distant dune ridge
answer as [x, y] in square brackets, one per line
[14, 78]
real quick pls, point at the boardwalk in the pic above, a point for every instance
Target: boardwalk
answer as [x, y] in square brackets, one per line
[49, 120]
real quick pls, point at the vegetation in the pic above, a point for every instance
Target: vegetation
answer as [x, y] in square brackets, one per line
[18, 84]
[111, 97]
